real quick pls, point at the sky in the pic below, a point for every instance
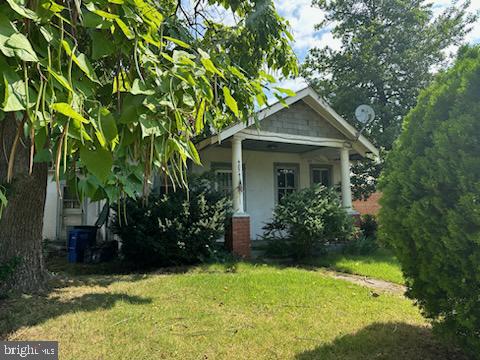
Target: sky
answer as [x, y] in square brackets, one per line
[303, 17]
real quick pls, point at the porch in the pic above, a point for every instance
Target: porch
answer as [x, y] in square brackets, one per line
[287, 149]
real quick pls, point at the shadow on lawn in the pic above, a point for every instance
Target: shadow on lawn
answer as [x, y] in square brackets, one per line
[399, 341]
[102, 274]
[27, 311]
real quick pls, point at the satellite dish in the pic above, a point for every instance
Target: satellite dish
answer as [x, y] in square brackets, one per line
[364, 114]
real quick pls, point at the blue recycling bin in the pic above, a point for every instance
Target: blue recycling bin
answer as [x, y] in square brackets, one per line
[91, 230]
[78, 240]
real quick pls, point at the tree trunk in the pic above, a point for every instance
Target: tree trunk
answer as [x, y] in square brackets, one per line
[22, 221]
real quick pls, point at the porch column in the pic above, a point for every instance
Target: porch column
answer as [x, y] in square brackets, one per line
[346, 187]
[237, 176]
[237, 238]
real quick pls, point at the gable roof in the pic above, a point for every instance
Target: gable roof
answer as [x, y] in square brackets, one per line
[317, 103]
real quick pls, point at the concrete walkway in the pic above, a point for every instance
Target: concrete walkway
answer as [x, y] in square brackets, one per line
[374, 284]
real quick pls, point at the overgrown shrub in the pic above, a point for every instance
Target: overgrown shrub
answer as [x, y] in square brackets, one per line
[364, 241]
[305, 221]
[173, 229]
[368, 226]
[430, 211]
[361, 245]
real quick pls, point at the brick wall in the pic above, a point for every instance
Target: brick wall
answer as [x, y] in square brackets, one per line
[237, 239]
[370, 206]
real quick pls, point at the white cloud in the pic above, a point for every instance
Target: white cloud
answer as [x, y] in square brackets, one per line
[303, 18]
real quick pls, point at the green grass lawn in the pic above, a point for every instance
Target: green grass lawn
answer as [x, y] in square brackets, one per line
[241, 311]
[380, 265]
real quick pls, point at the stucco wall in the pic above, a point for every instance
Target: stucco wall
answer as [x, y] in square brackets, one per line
[300, 119]
[259, 178]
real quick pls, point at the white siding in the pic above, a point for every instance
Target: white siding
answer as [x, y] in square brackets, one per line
[53, 212]
[259, 178]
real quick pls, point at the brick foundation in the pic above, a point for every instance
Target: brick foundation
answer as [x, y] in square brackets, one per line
[237, 237]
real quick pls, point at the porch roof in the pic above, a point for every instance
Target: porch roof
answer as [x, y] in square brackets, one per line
[359, 143]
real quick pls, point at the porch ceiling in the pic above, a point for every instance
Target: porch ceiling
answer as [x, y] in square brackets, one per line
[271, 146]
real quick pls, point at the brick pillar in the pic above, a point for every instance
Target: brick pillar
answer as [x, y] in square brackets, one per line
[237, 237]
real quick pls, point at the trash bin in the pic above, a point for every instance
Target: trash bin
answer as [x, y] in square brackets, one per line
[78, 240]
[91, 231]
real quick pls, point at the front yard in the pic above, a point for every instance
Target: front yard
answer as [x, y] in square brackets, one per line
[380, 265]
[239, 311]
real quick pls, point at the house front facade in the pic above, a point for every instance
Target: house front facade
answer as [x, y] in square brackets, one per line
[281, 151]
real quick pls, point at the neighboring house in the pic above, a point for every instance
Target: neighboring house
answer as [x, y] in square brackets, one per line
[289, 148]
[370, 206]
[61, 213]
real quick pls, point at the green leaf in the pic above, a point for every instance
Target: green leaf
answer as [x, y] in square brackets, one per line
[81, 61]
[102, 45]
[126, 31]
[149, 13]
[22, 47]
[168, 57]
[267, 76]
[178, 42]
[285, 91]
[130, 106]
[121, 83]
[98, 162]
[53, 6]
[108, 126]
[209, 66]
[22, 10]
[6, 30]
[15, 97]
[188, 100]
[199, 123]
[91, 7]
[3, 201]
[61, 79]
[230, 101]
[68, 111]
[192, 151]
[47, 33]
[139, 88]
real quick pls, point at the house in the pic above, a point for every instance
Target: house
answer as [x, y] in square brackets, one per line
[369, 206]
[258, 162]
[286, 149]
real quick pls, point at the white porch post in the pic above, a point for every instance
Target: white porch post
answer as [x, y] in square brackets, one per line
[237, 175]
[346, 187]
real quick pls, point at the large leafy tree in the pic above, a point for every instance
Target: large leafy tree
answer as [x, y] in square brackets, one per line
[389, 51]
[430, 211]
[108, 91]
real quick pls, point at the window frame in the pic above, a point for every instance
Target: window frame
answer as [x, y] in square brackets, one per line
[276, 167]
[227, 167]
[321, 167]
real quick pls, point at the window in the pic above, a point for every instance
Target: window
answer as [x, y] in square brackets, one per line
[286, 180]
[223, 179]
[320, 175]
[70, 200]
